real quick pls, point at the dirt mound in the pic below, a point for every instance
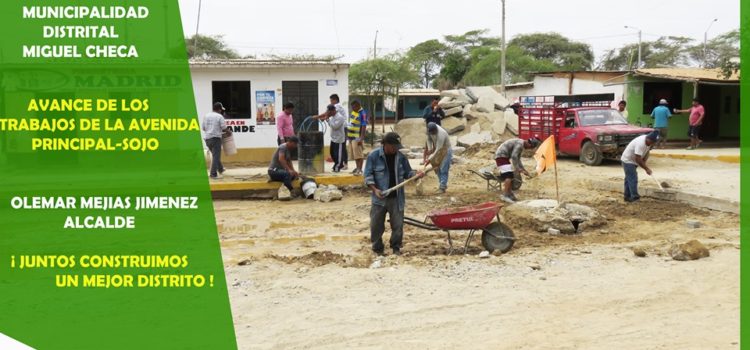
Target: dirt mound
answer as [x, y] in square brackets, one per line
[648, 210]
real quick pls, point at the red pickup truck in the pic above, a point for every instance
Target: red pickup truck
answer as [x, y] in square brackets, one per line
[583, 125]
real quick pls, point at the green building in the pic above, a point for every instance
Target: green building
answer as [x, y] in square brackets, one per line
[719, 96]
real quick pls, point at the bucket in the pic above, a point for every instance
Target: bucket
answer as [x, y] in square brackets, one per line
[308, 188]
[311, 158]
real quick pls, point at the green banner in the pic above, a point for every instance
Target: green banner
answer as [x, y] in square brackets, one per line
[108, 238]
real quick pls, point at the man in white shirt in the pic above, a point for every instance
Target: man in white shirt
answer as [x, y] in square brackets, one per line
[438, 152]
[337, 123]
[213, 126]
[635, 155]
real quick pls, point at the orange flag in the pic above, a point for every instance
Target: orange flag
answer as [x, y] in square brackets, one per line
[545, 155]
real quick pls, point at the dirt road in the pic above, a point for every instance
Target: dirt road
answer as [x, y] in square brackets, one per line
[298, 275]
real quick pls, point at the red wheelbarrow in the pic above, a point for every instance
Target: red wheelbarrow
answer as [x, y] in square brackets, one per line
[495, 235]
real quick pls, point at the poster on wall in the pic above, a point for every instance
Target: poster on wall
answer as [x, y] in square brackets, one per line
[265, 114]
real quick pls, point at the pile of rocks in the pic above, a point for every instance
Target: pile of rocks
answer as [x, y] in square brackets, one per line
[545, 215]
[474, 115]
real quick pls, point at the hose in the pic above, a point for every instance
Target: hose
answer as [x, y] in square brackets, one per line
[307, 123]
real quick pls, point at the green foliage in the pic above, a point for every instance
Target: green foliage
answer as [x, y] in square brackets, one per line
[674, 51]
[557, 49]
[209, 47]
[380, 77]
[426, 58]
[718, 51]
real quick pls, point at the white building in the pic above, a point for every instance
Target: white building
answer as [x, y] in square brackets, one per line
[572, 83]
[253, 92]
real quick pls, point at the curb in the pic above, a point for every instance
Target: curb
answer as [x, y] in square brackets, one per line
[724, 158]
[241, 189]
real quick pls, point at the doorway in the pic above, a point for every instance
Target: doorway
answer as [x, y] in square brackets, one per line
[304, 96]
[710, 97]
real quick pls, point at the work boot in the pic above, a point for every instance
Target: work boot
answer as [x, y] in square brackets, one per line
[397, 251]
[507, 199]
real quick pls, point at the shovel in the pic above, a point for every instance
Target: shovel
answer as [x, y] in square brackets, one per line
[659, 183]
[394, 188]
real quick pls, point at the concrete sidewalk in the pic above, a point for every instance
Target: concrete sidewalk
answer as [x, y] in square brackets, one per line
[728, 155]
[253, 182]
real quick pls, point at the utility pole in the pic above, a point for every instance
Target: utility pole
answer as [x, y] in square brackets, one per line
[502, 52]
[375, 47]
[197, 25]
[705, 43]
[639, 44]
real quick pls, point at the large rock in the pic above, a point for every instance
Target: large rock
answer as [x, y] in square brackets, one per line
[477, 92]
[542, 215]
[467, 112]
[498, 123]
[458, 150]
[511, 120]
[471, 139]
[448, 102]
[692, 250]
[485, 105]
[450, 93]
[284, 194]
[453, 125]
[498, 127]
[327, 194]
[476, 128]
[413, 132]
[453, 111]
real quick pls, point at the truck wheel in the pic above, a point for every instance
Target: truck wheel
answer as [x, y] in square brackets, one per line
[590, 154]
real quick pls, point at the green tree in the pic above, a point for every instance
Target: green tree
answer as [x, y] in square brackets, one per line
[427, 59]
[557, 49]
[519, 66]
[717, 51]
[669, 51]
[383, 77]
[209, 47]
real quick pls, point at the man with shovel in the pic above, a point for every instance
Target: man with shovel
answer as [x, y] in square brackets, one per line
[508, 160]
[438, 153]
[387, 168]
[635, 155]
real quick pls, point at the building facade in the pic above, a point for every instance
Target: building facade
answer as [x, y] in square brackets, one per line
[254, 91]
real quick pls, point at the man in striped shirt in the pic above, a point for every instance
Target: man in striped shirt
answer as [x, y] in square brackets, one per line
[356, 128]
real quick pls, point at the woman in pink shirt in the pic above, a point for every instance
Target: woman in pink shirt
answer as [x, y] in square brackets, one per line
[697, 112]
[285, 123]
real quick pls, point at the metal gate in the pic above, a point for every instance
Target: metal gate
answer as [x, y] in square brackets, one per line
[304, 96]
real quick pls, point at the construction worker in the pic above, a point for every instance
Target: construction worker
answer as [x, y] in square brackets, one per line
[386, 168]
[661, 116]
[635, 155]
[508, 160]
[438, 153]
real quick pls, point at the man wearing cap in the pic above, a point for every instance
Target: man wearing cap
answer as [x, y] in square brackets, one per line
[281, 167]
[213, 126]
[661, 115]
[387, 167]
[341, 112]
[508, 157]
[285, 123]
[438, 153]
[356, 128]
[337, 123]
[635, 155]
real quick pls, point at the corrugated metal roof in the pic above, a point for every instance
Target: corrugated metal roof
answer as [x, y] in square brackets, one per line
[580, 71]
[691, 74]
[251, 63]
